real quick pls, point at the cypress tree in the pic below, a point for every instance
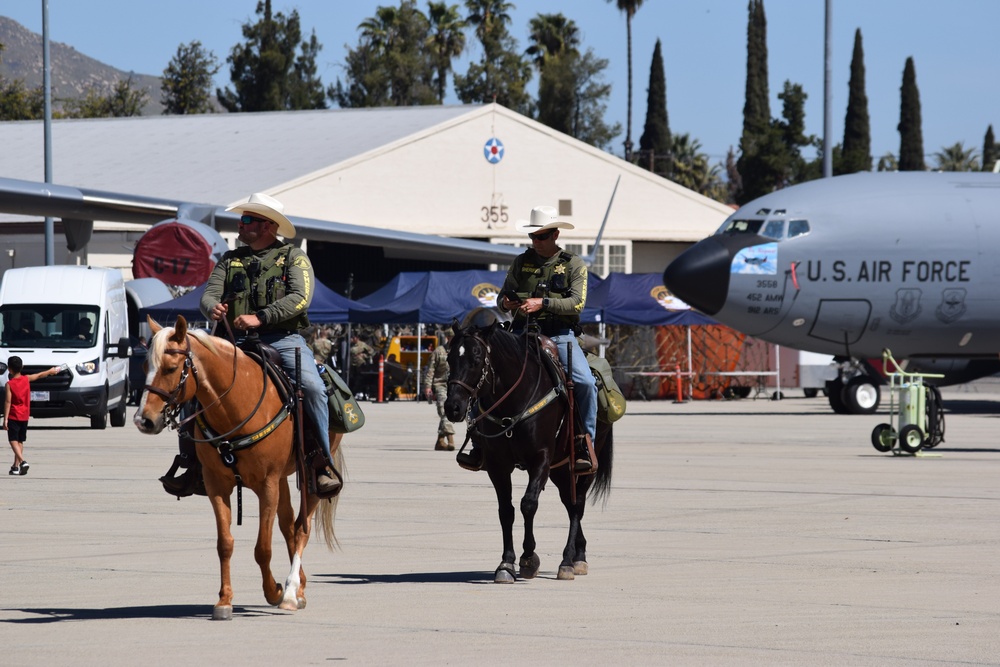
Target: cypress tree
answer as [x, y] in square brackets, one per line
[756, 107]
[760, 140]
[991, 152]
[911, 140]
[655, 140]
[857, 152]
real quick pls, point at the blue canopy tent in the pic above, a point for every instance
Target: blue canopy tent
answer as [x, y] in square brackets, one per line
[425, 297]
[640, 299]
[327, 307]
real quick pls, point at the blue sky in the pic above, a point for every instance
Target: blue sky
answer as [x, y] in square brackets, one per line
[704, 43]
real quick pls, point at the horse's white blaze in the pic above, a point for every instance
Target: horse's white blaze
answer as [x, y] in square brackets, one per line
[292, 582]
[461, 350]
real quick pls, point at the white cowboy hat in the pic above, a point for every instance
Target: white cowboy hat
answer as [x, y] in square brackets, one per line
[542, 218]
[268, 207]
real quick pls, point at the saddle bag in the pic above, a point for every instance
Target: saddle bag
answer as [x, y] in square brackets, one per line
[345, 413]
[610, 399]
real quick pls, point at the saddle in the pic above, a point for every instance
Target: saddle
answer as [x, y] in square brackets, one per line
[269, 359]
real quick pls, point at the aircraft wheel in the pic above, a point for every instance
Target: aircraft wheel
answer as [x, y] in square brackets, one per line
[861, 396]
[810, 392]
[834, 390]
[883, 438]
[911, 438]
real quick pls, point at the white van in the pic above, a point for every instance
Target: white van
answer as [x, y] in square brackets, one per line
[72, 315]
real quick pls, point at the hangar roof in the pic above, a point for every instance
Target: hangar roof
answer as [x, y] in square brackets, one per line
[420, 169]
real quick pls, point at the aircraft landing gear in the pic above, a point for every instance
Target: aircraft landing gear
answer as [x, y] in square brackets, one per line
[860, 395]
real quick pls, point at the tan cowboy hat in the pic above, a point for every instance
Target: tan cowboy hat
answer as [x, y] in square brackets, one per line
[542, 218]
[268, 207]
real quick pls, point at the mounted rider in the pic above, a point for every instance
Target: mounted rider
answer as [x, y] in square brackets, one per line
[555, 282]
[265, 285]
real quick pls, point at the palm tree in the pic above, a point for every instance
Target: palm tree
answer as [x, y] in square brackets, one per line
[551, 35]
[380, 30]
[957, 158]
[485, 14]
[446, 41]
[629, 8]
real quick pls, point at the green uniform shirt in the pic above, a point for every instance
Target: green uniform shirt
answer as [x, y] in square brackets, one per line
[280, 294]
[564, 273]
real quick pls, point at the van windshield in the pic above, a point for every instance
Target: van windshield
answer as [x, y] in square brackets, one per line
[48, 325]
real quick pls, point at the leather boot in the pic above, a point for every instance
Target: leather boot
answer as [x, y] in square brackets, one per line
[451, 442]
[327, 483]
[440, 445]
[583, 455]
[188, 483]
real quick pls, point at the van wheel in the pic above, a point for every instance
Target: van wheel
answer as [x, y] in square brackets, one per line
[100, 420]
[118, 414]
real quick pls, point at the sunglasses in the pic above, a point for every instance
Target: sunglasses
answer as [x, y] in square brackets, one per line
[542, 236]
[246, 220]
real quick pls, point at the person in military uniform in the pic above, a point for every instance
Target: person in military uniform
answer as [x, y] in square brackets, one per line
[361, 354]
[550, 284]
[268, 285]
[436, 383]
[320, 345]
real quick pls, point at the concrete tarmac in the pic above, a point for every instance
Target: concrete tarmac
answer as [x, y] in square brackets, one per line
[737, 533]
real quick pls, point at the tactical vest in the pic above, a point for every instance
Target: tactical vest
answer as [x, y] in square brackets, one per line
[554, 282]
[257, 282]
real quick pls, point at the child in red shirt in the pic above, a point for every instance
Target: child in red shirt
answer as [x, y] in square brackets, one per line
[16, 408]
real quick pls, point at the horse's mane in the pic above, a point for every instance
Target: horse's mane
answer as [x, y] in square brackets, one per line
[159, 343]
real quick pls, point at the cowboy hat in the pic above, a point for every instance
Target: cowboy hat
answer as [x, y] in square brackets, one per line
[268, 207]
[542, 218]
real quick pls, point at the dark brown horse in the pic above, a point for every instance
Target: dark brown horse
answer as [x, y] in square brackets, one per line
[517, 414]
[185, 364]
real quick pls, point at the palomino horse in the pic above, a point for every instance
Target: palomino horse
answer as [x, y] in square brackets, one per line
[256, 448]
[516, 414]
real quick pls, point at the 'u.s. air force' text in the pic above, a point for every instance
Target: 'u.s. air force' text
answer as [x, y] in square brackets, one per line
[885, 271]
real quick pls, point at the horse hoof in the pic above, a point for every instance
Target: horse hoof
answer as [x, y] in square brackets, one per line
[222, 613]
[302, 601]
[566, 572]
[504, 574]
[289, 605]
[529, 566]
[580, 567]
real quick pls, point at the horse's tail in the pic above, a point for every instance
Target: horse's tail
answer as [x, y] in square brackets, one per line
[605, 462]
[327, 512]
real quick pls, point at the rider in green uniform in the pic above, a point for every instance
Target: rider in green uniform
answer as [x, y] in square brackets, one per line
[550, 284]
[265, 285]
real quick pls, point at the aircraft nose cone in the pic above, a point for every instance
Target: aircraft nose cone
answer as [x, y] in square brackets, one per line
[700, 275]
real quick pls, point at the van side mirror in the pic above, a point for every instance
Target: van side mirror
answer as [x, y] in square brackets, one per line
[123, 349]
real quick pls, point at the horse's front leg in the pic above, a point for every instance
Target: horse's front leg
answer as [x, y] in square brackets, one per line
[505, 508]
[574, 560]
[223, 610]
[268, 500]
[530, 562]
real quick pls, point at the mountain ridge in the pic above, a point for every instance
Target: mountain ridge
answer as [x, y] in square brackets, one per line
[72, 72]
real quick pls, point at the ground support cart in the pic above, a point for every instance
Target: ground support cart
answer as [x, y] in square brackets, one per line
[915, 413]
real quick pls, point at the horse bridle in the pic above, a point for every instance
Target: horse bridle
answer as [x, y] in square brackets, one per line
[172, 406]
[487, 369]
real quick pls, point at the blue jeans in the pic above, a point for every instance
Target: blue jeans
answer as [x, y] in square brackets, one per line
[313, 389]
[584, 384]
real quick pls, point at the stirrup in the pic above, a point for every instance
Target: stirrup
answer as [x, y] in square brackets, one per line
[188, 483]
[470, 461]
[583, 455]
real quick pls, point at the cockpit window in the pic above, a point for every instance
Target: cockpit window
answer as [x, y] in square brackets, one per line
[740, 227]
[797, 228]
[774, 229]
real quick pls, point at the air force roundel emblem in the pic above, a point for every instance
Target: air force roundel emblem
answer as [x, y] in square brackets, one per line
[493, 150]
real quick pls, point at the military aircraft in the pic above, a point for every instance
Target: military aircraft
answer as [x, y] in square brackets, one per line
[79, 207]
[853, 265]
